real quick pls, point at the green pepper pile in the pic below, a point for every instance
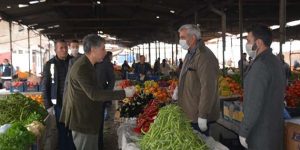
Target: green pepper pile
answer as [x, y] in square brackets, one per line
[171, 131]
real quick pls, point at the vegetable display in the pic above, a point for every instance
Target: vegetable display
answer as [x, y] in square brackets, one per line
[19, 108]
[171, 131]
[229, 87]
[144, 120]
[293, 95]
[132, 107]
[16, 138]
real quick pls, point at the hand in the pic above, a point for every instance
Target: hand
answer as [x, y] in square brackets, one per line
[129, 91]
[51, 110]
[243, 142]
[142, 77]
[202, 123]
[175, 94]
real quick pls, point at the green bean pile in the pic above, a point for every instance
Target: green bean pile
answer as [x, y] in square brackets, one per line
[171, 131]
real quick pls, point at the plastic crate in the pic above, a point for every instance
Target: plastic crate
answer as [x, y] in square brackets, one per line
[35, 88]
[132, 76]
[152, 77]
[294, 112]
[20, 88]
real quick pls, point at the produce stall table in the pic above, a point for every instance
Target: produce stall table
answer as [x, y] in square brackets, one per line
[228, 125]
[233, 127]
[127, 139]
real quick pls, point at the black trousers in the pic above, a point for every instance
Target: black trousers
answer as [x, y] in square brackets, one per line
[100, 138]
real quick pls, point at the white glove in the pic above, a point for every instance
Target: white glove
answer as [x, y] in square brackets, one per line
[243, 142]
[51, 110]
[175, 94]
[129, 91]
[142, 77]
[202, 123]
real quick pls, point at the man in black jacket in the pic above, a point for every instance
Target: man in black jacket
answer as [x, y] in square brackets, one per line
[53, 83]
[142, 69]
[106, 80]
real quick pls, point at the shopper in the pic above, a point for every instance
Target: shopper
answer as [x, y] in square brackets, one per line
[125, 69]
[156, 68]
[245, 63]
[286, 68]
[250, 60]
[83, 100]
[198, 81]
[142, 69]
[54, 76]
[264, 84]
[106, 80]
[133, 65]
[7, 71]
[165, 68]
[179, 66]
[74, 46]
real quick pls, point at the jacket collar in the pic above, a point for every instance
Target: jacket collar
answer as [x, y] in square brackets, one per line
[199, 44]
[266, 52]
[86, 60]
[67, 58]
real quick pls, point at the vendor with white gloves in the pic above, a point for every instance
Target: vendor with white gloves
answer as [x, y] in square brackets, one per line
[198, 81]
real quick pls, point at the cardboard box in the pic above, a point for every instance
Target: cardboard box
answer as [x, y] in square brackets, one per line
[232, 111]
[292, 135]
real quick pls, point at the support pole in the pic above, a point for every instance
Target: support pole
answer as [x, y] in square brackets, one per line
[155, 50]
[41, 55]
[282, 21]
[291, 54]
[139, 50]
[29, 52]
[196, 17]
[149, 48]
[158, 49]
[241, 37]
[223, 17]
[176, 56]
[165, 53]
[172, 54]
[143, 49]
[10, 46]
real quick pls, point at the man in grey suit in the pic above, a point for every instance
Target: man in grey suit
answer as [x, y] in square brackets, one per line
[264, 84]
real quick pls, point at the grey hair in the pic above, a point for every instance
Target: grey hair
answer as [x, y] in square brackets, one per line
[91, 41]
[192, 30]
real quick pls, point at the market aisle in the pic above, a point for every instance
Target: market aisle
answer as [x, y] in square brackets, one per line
[110, 131]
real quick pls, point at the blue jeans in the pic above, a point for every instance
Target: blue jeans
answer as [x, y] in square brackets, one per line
[65, 139]
[196, 127]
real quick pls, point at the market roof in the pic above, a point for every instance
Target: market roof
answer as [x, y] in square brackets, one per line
[139, 21]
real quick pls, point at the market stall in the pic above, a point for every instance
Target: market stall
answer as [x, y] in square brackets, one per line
[152, 119]
[23, 121]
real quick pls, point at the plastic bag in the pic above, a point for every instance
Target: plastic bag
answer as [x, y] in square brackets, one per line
[4, 128]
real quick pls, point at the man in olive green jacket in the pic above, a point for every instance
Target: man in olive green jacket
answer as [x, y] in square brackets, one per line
[198, 82]
[83, 99]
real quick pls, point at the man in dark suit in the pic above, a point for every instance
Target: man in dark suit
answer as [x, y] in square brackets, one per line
[262, 127]
[54, 75]
[142, 69]
[106, 80]
[83, 99]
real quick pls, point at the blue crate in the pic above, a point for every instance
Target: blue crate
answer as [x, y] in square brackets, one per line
[152, 77]
[35, 88]
[20, 88]
[132, 76]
